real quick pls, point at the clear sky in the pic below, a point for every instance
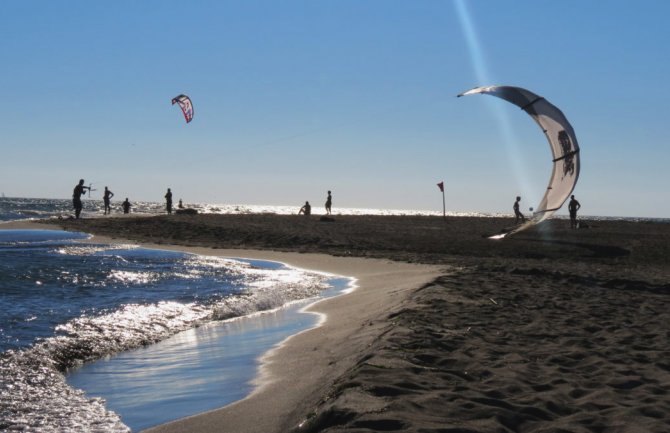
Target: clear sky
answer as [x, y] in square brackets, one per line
[293, 98]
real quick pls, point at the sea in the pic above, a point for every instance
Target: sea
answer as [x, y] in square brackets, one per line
[98, 337]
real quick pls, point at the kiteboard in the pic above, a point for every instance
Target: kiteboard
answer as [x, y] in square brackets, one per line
[507, 231]
[500, 234]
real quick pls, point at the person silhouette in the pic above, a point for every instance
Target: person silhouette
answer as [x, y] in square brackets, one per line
[168, 201]
[79, 189]
[306, 209]
[180, 205]
[106, 198]
[126, 206]
[329, 203]
[517, 213]
[573, 207]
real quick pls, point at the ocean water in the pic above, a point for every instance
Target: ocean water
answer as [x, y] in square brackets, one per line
[34, 208]
[109, 338]
[31, 208]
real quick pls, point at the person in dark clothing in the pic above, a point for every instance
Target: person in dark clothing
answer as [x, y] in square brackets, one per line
[306, 209]
[573, 207]
[79, 190]
[106, 198]
[126, 206]
[329, 203]
[517, 213]
[168, 201]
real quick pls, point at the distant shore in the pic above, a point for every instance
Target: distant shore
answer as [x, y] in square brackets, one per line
[551, 330]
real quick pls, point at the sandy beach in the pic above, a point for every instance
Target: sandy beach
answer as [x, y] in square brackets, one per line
[553, 330]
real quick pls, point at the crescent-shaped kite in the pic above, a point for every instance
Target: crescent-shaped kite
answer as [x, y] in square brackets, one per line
[562, 141]
[185, 105]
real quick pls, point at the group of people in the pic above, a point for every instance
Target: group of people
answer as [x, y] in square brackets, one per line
[107, 199]
[80, 189]
[573, 207]
[307, 208]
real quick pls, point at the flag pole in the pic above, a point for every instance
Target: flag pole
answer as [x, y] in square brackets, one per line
[444, 206]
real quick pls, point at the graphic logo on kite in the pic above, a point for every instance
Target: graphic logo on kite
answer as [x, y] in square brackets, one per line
[568, 154]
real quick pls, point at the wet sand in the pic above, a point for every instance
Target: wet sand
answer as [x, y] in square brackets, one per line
[553, 330]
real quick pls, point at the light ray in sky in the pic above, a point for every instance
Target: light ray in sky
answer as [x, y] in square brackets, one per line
[472, 40]
[499, 111]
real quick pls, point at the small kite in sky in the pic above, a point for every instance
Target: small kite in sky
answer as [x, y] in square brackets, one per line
[185, 105]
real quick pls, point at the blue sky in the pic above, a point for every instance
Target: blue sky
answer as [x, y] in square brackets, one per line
[293, 98]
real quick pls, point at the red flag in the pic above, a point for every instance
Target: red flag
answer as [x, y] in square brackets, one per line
[441, 186]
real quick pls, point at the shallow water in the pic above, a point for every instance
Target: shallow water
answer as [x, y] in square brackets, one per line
[194, 371]
[66, 303]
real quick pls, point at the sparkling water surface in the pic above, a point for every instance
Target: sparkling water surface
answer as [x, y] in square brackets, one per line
[73, 307]
[194, 371]
[29, 208]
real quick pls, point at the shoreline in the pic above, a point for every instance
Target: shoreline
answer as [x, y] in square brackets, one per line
[550, 330]
[305, 363]
[197, 370]
[296, 369]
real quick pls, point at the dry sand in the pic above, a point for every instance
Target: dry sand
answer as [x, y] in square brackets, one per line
[553, 330]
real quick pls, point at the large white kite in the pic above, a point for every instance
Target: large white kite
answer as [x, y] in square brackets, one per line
[562, 141]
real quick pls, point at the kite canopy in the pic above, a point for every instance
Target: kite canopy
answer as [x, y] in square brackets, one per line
[185, 105]
[562, 141]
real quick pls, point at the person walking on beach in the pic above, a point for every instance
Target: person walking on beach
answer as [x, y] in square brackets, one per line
[168, 201]
[106, 198]
[517, 213]
[329, 203]
[126, 206]
[79, 189]
[573, 207]
[306, 209]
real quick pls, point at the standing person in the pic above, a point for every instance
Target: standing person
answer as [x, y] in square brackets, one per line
[517, 213]
[126, 206]
[306, 209]
[107, 197]
[573, 207]
[168, 201]
[329, 203]
[79, 189]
